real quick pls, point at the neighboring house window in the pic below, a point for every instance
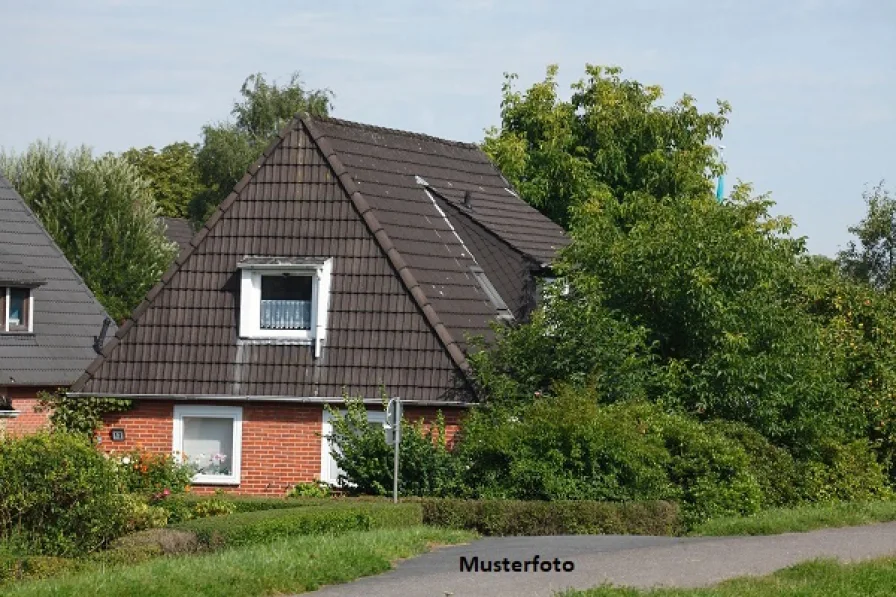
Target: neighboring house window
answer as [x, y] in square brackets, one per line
[493, 296]
[210, 439]
[16, 308]
[329, 470]
[284, 298]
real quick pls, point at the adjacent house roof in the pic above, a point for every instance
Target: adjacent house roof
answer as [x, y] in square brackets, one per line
[66, 314]
[416, 226]
[178, 230]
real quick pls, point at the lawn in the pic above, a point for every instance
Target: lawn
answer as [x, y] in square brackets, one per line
[823, 578]
[800, 519]
[292, 565]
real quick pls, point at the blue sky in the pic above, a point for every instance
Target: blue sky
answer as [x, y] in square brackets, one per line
[812, 82]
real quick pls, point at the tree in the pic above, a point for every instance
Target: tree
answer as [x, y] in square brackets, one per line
[610, 136]
[172, 173]
[229, 148]
[712, 291]
[873, 261]
[102, 216]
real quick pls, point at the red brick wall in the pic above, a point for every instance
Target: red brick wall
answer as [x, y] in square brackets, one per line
[24, 399]
[281, 441]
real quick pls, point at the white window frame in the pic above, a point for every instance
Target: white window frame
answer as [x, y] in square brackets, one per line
[211, 412]
[250, 301]
[29, 307]
[327, 462]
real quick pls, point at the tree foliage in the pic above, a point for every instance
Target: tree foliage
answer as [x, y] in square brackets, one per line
[102, 216]
[228, 148]
[611, 137]
[873, 259]
[172, 174]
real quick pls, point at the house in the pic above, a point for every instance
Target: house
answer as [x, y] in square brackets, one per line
[177, 231]
[50, 322]
[348, 260]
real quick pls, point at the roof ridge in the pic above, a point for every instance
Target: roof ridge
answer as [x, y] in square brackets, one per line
[381, 237]
[197, 240]
[383, 129]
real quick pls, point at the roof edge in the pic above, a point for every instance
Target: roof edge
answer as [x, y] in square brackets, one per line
[385, 243]
[463, 213]
[198, 238]
[264, 398]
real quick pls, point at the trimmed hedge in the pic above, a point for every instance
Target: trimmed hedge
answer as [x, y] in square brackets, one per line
[265, 525]
[256, 504]
[17, 568]
[511, 517]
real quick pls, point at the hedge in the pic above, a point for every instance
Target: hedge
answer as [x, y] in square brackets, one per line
[255, 503]
[17, 568]
[265, 525]
[511, 517]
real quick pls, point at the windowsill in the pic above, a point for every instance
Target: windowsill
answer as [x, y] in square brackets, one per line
[207, 481]
[9, 414]
[274, 340]
[16, 333]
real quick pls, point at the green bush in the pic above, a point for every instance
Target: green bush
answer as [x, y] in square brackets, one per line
[567, 447]
[266, 525]
[150, 473]
[317, 489]
[848, 473]
[180, 508]
[779, 476]
[426, 464]
[17, 568]
[510, 517]
[59, 495]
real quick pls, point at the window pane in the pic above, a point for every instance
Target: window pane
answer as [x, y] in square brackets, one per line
[286, 302]
[18, 302]
[208, 444]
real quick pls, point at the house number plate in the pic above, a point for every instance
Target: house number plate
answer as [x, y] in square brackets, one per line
[118, 435]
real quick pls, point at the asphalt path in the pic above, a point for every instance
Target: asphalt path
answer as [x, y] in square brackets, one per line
[619, 560]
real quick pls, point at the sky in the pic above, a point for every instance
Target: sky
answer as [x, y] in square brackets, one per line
[812, 83]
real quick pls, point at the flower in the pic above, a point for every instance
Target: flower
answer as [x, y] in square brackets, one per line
[126, 460]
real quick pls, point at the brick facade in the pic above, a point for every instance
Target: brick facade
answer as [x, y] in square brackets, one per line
[24, 400]
[281, 441]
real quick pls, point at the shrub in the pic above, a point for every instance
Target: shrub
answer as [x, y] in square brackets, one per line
[317, 489]
[78, 415]
[362, 453]
[846, 472]
[266, 525]
[17, 568]
[567, 447]
[509, 517]
[142, 515]
[166, 541]
[148, 473]
[59, 495]
[774, 468]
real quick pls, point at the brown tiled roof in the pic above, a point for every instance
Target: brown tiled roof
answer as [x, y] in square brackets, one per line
[383, 205]
[178, 230]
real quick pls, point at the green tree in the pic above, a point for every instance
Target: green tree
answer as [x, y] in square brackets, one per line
[699, 306]
[102, 216]
[229, 148]
[873, 260]
[172, 173]
[612, 136]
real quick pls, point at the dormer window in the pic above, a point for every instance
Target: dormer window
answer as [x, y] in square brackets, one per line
[284, 299]
[16, 309]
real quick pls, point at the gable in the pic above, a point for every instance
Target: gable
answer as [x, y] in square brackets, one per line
[184, 342]
[66, 315]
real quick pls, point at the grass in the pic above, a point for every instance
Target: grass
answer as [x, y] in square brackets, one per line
[819, 578]
[800, 519]
[294, 565]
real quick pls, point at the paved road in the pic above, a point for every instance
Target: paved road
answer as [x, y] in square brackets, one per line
[632, 561]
